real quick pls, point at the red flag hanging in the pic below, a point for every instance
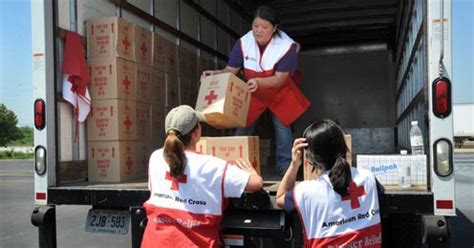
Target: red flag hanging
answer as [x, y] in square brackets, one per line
[76, 76]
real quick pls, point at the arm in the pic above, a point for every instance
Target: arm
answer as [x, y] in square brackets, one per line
[276, 80]
[288, 181]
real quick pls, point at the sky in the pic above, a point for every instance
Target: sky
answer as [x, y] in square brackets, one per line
[16, 54]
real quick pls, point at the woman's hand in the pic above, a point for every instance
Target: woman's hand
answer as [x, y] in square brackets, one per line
[252, 85]
[245, 165]
[297, 151]
[206, 73]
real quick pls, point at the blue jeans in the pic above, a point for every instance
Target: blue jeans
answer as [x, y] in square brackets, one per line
[283, 142]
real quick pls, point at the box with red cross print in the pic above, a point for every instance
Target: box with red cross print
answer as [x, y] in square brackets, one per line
[231, 148]
[110, 37]
[112, 120]
[142, 46]
[224, 100]
[112, 161]
[112, 78]
[309, 173]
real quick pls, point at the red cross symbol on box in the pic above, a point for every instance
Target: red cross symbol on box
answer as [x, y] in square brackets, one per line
[143, 48]
[211, 97]
[126, 82]
[127, 122]
[125, 43]
[129, 164]
[174, 181]
[354, 193]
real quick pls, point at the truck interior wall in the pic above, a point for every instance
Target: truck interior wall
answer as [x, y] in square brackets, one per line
[356, 90]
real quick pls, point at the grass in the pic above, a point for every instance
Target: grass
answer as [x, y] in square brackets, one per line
[15, 155]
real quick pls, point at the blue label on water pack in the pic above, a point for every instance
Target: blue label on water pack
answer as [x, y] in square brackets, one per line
[383, 168]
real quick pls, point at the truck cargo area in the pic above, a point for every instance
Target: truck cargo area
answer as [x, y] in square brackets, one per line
[362, 65]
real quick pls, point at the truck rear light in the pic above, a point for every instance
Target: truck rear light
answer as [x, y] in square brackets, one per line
[40, 196]
[441, 90]
[40, 160]
[443, 157]
[445, 204]
[39, 108]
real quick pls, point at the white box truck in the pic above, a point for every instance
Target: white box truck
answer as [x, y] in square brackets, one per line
[463, 118]
[373, 66]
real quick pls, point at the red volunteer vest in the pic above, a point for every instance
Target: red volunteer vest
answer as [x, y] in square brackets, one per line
[330, 220]
[185, 212]
[286, 102]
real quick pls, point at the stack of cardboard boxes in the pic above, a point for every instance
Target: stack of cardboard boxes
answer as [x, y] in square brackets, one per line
[128, 97]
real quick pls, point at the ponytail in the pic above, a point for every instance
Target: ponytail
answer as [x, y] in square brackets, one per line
[173, 152]
[340, 175]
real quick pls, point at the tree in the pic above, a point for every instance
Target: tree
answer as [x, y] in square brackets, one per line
[8, 129]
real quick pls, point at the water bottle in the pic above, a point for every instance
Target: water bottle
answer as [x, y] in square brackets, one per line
[404, 171]
[416, 139]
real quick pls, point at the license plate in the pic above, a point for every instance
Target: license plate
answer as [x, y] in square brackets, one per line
[108, 221]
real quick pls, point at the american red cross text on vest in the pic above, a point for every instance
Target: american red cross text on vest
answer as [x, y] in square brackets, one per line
[354, 193]
[126, 82]
[143, 48]
[125, 43]
[211, 97]
[127, 122]
[174, 181]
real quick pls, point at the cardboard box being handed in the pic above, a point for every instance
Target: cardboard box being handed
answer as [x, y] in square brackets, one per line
[224, 100]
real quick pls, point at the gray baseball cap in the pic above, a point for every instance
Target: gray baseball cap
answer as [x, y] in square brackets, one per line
[182, 119]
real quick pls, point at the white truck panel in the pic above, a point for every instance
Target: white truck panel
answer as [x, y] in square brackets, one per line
[442, 187]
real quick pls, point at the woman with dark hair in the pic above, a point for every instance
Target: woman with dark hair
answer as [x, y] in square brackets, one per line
[268, 57]
[188, 190]
[340, 208]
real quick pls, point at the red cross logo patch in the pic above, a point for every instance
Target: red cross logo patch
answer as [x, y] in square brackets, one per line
[125, 43]
[211, 97]
[354, 193]
[175, 182]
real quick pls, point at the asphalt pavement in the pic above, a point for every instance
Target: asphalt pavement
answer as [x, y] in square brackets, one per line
[16, 205]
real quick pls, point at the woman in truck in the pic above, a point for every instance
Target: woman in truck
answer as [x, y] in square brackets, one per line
[188, 190]
[268, 58]
[340, 208]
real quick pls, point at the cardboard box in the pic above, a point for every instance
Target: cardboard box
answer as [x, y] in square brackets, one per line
[231, 148]
[112, 161]
[110, 37]
[144, 151]
[171, 56]
[158, 127]
[112, 78]
[308, 172]
[112, 120]
[144, 124]
[158, 56]
[387, 168]
[186, 89]
[144, 83]
[142, 46]
[187, 63]
[158, 88]
[172, 91]
[224, 100]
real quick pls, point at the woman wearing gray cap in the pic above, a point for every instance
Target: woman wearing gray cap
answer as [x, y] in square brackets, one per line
[188, 190]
